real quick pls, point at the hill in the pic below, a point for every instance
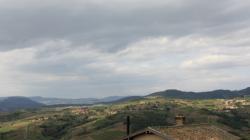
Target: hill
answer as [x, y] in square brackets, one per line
[107, 122]
[58, 101]
[15, 103]
[126, 99]
[216, 94]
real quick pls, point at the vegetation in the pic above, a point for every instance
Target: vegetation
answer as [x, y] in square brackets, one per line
[107, 122]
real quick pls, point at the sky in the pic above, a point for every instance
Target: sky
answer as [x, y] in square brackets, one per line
[98, 48]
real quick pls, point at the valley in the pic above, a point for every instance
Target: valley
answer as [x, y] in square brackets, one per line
[108, 121]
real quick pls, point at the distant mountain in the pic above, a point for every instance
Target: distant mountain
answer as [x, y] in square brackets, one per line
[245, 92]
[111, 98]
[58, 101]
[216, 94]
[126, 99]
[2, 98]
[15, 103]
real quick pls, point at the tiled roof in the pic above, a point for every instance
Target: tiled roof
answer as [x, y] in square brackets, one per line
[148, 131]
[187, 132]
[196, 132]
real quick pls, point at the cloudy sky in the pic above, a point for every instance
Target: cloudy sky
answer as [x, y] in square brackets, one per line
[97, 48]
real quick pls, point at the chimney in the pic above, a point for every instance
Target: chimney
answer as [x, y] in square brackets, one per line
[128, 125]
[180, 120]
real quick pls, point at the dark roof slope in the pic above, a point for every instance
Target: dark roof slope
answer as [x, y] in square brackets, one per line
[194, 132]
[187, 132]
[148, 131]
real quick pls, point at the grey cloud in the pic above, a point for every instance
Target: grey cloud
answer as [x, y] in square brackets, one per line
[111, 27]
[74, 48]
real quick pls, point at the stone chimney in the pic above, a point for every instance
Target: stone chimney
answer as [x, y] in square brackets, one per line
[180, 120]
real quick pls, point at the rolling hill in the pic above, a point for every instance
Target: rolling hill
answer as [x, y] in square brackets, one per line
[107, 122]
[58, 101]
[216, 94]
[125, 99]
[15, 103]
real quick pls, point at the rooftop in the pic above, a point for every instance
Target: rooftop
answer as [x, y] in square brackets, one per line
[198, 131]
[188, 132]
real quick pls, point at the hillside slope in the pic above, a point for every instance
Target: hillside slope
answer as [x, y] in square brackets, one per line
[216, 94]
[15, 103]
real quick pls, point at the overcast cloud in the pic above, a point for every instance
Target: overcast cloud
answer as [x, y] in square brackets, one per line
[97, 48]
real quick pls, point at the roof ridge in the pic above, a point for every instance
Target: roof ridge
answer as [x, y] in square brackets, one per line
[174, 126]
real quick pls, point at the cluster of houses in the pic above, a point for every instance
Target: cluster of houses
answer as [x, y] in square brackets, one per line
[80, 111]
[39, 119]
[235, 103]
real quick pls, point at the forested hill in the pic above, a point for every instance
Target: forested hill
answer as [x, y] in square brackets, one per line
[15, 103]
[216, 94]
